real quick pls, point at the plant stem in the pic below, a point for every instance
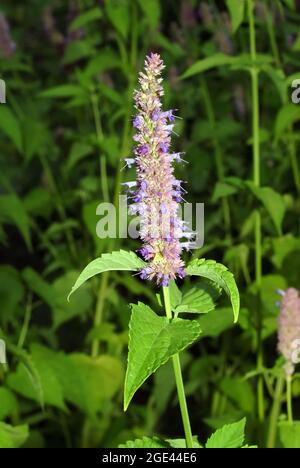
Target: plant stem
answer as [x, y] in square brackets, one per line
[99, 311]
[289, 399]
[102, 158]
[272, 37]
[256, 179]
[25, 326]
[271, 441]
[178, 379]
[217, 149]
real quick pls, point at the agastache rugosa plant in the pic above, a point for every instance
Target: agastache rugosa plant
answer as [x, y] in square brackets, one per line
[156, 195]
[158, 192]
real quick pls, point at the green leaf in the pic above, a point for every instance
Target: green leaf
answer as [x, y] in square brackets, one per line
[152, 10]
[237, 62]
[175, 295]
[78, 50]
[11, 292]
[199, 299]
[230, 436]
[152, 341]
[63, 310]
[145, 442]
[10, 125]
[290, 434]
[78, 151]
[97, 381]
[118, 13]
[12, 436]
[9, 403]
[49, 387]
[122, 260]
[237, 11]
[287, 116]
[63, 91]
[208, 63]
[12, 209]
[216, 322]
[272, 201]
[219, 274]
[85, 18]
[38, 285]
[239, 391]
[223, 190]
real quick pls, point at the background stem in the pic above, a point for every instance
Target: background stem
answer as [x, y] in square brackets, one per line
[275, 412]
[179, 381]
[256, 179]
[289, 401]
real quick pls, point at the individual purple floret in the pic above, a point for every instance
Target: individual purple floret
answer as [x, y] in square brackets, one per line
[289, 329]
[158, 193]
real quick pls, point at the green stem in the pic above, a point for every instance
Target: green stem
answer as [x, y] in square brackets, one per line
[25, 326]
[217, 150]
[294, 161]
[275, 413]
[272, 36]
[256, 179]
[289, 399]
[99, 311]
[102, 158]
[178, 379]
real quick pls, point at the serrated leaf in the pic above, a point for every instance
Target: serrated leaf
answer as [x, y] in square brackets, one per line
[229, 436]
[145, 442]
[198, 300]
[219, 274]
[12, 436]
[237, 10]
[272, 201]
[152, 341]
[122, 260]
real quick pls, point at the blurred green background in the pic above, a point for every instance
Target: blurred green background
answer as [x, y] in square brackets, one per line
[70, 68]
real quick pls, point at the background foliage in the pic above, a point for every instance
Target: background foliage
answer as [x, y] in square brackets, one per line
[70, 69]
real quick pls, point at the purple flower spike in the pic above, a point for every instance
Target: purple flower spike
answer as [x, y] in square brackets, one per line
[158, 192]
[289, 329]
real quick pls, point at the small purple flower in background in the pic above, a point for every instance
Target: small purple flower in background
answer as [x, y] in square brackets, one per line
[7, 45]
[289, 328]
[158, 193]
